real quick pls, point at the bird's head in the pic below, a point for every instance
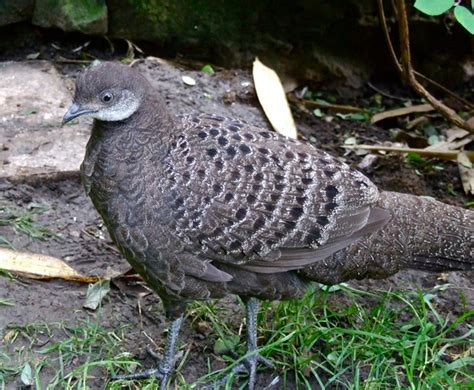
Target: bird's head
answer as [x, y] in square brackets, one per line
[108, 91]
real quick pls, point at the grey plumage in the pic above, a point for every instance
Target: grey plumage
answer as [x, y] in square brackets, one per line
[203, 206]
[422, 234]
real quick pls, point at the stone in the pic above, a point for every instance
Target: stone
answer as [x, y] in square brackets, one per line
[32, 101]
[88, 17]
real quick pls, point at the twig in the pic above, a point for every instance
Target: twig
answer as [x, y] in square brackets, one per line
[445, 155]
[447, 91]
[383, 22]
[408, 73]
[62, 60]
[39, 178]
[383, 93]
[328, 106]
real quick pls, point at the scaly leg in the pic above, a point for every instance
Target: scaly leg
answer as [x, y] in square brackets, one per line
[164, 367]
[250, 362]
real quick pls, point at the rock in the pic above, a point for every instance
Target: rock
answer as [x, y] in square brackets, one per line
[233, 32]
[32, 101]
[14, 11]
[89, 17]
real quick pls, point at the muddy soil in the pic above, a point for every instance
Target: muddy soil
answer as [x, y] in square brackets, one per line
[81, 240]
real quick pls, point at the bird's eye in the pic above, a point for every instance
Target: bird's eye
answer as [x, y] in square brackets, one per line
[106, 97]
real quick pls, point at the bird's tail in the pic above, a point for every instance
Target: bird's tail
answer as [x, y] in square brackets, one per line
[432, 236]
[422, 234]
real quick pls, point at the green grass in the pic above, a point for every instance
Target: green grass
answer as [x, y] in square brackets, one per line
[24, 221]
[84, 352]
[346, 339]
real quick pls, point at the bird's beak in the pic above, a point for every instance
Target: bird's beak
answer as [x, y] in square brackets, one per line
[74, 112]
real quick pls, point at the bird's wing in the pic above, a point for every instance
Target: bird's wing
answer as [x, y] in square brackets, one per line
[254, 199]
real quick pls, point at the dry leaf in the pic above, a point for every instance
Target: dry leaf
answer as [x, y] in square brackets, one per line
[416, 122]
[400, 112]
[96, 293]
[455, 133]
[442, 154]
[466, 172]
[455, 145]
[38, 266]
[188, 80]
[273, 99]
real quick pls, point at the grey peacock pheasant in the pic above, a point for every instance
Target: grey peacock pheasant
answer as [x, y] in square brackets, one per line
[203, 206]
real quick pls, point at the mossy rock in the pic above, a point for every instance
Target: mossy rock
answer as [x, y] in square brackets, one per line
[175, 20]
[86, 16]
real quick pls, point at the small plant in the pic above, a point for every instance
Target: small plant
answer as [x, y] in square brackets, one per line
[421, 164]
[24, 222]
[463, 14]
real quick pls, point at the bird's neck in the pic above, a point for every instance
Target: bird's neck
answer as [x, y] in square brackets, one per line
[152, 121]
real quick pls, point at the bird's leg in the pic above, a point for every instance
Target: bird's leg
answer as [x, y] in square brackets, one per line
[165, 366]
[252, 357]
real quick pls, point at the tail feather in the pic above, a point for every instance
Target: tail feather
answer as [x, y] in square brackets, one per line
[422, 234]
[440, 264]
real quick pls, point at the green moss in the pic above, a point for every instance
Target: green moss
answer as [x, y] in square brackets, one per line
[85, 12]
[177, 20]
[88, 16]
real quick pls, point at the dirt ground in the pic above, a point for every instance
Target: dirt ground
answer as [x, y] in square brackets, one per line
[82, 241]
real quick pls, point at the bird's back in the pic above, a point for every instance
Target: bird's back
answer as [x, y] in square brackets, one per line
[247, 193]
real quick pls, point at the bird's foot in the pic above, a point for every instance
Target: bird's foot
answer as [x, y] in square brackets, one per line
[249, 367]
[161, 372]
[164, 367]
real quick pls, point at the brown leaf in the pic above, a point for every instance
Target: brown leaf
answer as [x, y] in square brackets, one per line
[466, 172]
[401, 112]
[39, 266]
[455, 133]
[273, 99]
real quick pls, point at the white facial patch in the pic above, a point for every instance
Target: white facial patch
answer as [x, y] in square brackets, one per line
[119, 110]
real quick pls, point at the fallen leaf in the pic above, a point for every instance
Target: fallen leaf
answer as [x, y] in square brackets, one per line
[368, 161]
[455, 145]
[455, 133]
[401, 112]
[350, 141]
[9, 336]
[95, 293]
[208, 69]
[39, 266]
[188, 80]
[26, 375]
[273, 99]
[223, 346]
[318, 113]
[33, 56]
[417, 122]
[466, 172]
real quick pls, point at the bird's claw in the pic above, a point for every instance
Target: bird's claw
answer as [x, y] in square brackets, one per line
[164, 367]
[249, 367]
[162, 371]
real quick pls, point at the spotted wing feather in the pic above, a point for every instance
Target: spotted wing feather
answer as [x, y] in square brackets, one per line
[252, 198]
